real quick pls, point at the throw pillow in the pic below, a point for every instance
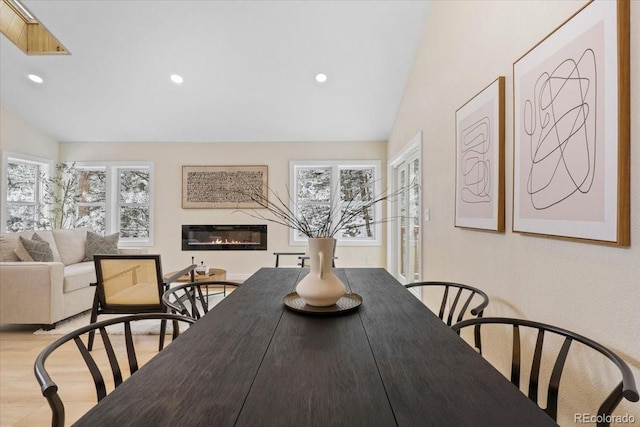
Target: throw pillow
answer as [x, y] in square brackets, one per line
[37, 248]
[22, 253]
[97, 244]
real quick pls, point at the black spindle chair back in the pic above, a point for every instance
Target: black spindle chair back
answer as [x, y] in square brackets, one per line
[455, 303]
[194, 299]
[118, 372]
[625, 389]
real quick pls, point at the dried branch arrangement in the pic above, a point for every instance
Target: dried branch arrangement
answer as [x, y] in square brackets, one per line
[341, 215]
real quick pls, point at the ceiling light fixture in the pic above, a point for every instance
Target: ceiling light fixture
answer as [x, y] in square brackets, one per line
[321, 77]
[177, 79]
[35, 78]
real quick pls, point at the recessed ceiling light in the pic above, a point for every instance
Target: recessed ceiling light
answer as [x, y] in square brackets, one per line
[35, 78]
[176, 79]
[321, 77]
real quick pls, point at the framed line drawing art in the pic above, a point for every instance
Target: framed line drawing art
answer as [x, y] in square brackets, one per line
[480, 160]
[222, 187]
[571, 119]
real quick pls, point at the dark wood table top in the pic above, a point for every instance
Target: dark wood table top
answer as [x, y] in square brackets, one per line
[252, 362]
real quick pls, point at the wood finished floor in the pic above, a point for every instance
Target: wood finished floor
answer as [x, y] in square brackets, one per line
[22, 403]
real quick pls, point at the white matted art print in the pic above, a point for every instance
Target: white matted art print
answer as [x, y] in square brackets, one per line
[480, 160]
[571, 129]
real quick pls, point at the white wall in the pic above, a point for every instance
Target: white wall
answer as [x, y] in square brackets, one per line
[18, 136]
[591, 289]
[169, 215]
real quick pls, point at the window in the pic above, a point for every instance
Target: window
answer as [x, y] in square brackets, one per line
[321, 189]
[23, 191]
[133, 203]
[110, 197]
[92, 199]
[117, 197]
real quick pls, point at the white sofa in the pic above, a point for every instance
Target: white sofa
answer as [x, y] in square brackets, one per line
[47, 292]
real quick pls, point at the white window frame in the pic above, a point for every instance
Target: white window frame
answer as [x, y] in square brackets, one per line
[112, 203]
[336, 166]
[46, 168]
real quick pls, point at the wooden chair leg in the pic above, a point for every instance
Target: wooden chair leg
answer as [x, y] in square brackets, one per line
[163, 330]
[94, 318]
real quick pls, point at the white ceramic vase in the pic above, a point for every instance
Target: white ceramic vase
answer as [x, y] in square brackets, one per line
[321, 288]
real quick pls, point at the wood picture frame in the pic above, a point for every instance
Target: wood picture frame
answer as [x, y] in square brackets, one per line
[480, 160]
[571, 115]
[223, 187]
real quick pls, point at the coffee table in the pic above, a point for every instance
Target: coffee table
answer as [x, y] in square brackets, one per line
[214, 274]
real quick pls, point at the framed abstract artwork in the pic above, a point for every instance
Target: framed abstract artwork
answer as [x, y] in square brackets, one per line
[480, 160]
[571, 119]
[222, 187]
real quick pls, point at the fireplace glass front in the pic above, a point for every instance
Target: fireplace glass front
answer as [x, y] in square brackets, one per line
[240, 237]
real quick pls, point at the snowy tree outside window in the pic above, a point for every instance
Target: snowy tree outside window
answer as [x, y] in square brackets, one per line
[92, 203]
[108, 197]
[134, 203]
[356, 185]
[117, 197]
[23, 194]
[322, 188]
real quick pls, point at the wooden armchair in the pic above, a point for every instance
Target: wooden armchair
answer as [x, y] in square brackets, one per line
[130, 284]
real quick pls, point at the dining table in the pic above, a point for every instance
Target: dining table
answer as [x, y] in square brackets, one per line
[254, 361]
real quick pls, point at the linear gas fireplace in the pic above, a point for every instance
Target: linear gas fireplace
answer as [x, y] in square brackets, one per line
[224, 237]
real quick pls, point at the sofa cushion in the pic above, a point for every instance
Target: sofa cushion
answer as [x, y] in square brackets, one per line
[38, 249]
[70, 243]
[9, 243]
[104, 245]
[78, 276]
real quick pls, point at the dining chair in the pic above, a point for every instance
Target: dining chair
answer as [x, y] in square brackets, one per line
[279, 254]
[303, 257]
[625, 389]
[95, 361]
[130, 284]
[450, 312]
[194, 300]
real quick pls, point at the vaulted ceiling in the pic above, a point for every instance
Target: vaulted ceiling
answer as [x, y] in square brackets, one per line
[249, 69]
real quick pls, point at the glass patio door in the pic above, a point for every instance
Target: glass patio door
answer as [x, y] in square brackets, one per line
[405, 232]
